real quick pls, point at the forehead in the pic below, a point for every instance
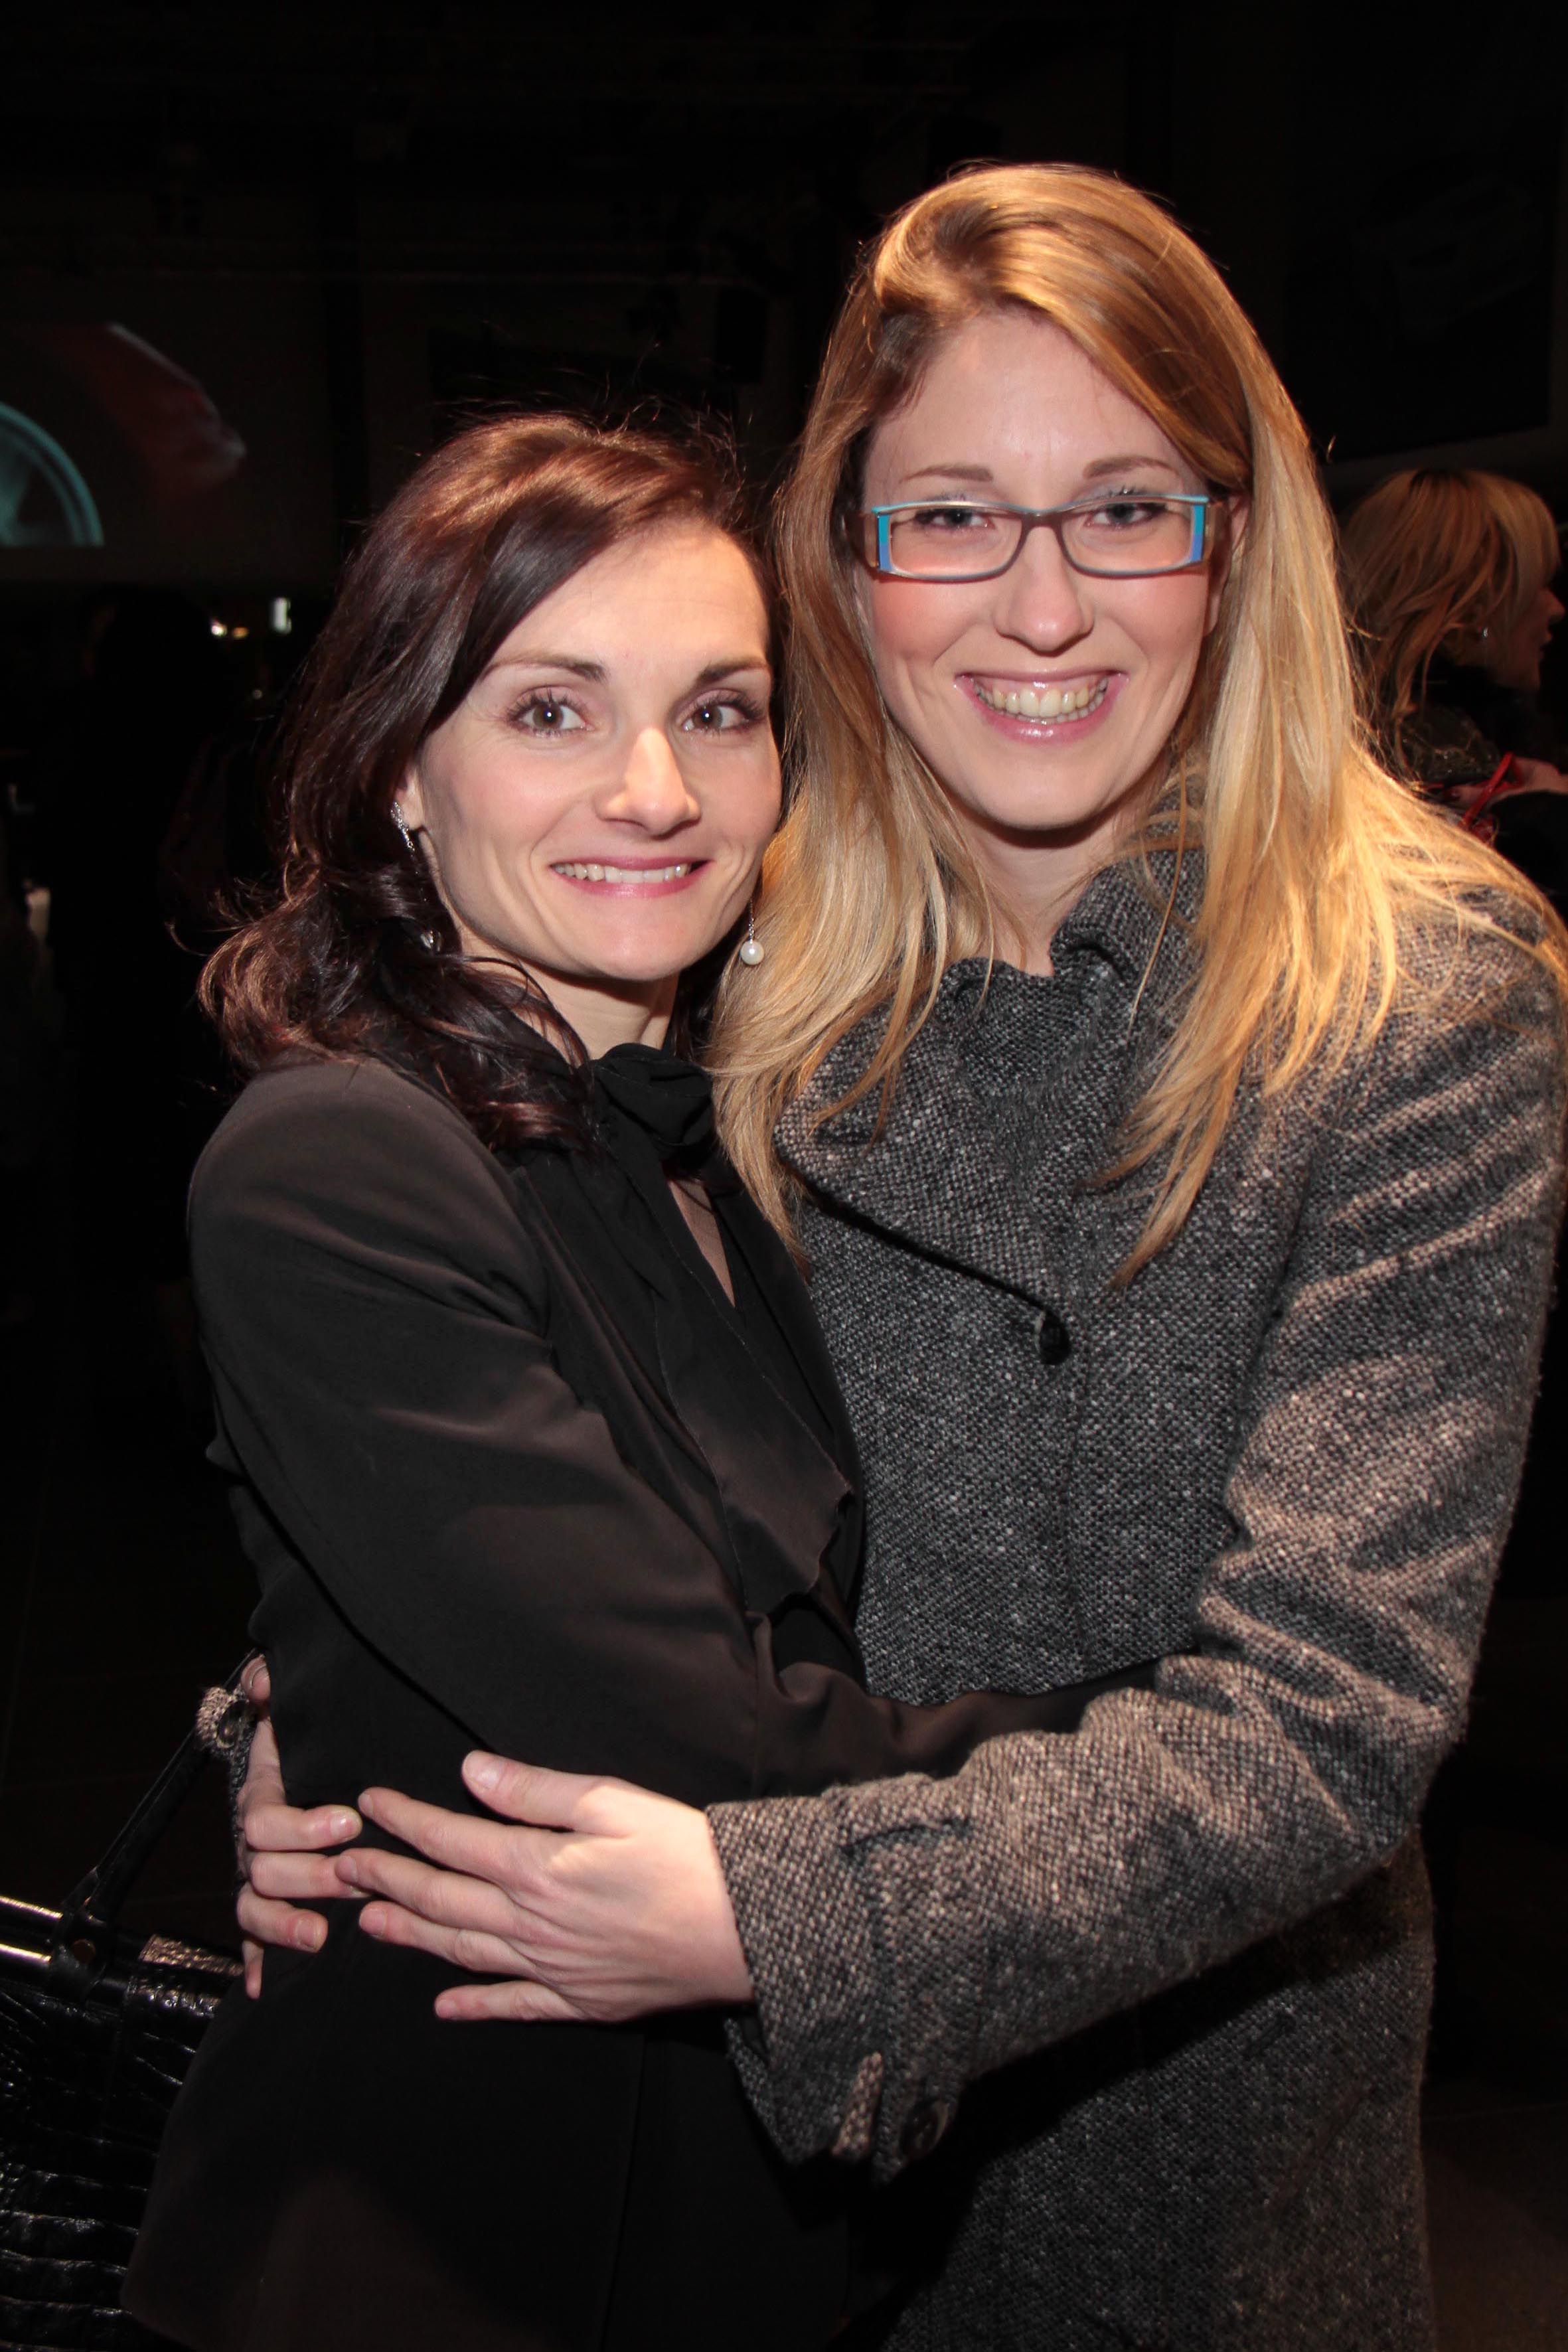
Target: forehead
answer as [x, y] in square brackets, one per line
[1010, 388]
[657, 591]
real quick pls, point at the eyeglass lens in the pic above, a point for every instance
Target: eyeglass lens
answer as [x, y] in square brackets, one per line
[1121, 535]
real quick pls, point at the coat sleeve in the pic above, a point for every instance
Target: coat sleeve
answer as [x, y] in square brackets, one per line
[908, 1937]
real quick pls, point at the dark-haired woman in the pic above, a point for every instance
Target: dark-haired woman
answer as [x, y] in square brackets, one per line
[532, 1439]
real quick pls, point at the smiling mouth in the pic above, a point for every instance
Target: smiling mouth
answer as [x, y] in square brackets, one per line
[592, 872]
[1058, 703]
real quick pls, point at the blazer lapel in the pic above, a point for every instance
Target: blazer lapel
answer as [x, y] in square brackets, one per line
[775, 1274]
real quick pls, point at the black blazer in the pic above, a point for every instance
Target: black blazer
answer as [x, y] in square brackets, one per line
[513, 1473]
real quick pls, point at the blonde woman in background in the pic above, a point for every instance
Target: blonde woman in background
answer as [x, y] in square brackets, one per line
[1169, 1107]
[1450, 580]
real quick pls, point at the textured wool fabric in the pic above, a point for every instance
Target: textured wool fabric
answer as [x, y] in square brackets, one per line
[1181, 1957]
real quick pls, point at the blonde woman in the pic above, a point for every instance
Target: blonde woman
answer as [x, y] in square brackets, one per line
[1450, 577]
[1169, 1108]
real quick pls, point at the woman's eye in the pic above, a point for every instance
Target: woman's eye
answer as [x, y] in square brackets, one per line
[542, 715]
[1125, 513]
[950, 519]
[713, 717]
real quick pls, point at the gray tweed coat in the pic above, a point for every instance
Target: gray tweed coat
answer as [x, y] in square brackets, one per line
[1182, 1955]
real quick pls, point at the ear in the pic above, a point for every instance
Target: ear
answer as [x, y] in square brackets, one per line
[409, 798]
[1232, 538]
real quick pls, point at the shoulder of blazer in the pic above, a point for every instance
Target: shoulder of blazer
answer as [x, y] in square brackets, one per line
[1473, 999]
[352, 1151]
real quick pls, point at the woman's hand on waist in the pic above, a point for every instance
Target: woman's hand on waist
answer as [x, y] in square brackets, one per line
[595, 1901]
[286, 1853]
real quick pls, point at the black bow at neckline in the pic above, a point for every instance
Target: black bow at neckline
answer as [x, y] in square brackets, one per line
[670, 1100]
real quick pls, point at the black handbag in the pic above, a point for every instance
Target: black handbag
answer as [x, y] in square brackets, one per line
[97, 2029]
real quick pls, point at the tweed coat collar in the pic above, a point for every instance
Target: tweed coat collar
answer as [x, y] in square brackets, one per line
[1045, 1054]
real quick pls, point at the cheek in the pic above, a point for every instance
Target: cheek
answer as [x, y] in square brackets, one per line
[1169, 622]
[909, 626]
[498, 813]
[488, 848]
[769, 799]
[746, 813]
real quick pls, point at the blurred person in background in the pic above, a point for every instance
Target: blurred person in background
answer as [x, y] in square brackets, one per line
[1451, 580]
[1450, 577]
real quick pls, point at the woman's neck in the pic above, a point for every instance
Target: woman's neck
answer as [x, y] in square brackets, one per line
[1036, 883]
[1036, 876]
[604, 1017]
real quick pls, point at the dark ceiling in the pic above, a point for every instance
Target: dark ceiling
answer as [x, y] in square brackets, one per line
[676, 196]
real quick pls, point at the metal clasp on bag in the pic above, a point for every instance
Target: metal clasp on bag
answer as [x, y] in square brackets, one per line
[80, 1952]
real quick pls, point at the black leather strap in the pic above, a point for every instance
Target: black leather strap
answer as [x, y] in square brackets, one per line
[93, 1904]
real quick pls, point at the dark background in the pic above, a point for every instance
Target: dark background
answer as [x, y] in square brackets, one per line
[254, 263]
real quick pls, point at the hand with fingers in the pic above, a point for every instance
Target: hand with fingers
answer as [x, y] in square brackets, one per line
[593, 1900]
[286, 1855]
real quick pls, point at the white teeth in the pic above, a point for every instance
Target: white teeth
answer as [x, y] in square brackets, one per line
[1047, 702]
[592, 873]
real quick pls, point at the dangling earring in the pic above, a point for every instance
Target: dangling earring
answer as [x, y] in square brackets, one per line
[426, 939]
[751, 950]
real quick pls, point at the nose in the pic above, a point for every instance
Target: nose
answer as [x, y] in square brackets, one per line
[1042, 601]
[652, 790]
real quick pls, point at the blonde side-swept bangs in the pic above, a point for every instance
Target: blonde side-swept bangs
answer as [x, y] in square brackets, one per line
[1316, 862]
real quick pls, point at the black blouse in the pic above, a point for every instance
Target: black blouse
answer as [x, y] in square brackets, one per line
[757, 1363]
[514, 1472]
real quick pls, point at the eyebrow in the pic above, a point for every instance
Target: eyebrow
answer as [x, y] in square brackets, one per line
[721, 669]
[595, 673]
[570, 665]
[1100, 467]
[1103, 466]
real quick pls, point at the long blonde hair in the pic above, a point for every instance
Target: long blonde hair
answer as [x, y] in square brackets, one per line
[1311, 854]
[1437, 562]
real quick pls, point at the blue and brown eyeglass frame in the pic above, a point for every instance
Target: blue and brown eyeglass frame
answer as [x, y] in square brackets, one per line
[878, 555]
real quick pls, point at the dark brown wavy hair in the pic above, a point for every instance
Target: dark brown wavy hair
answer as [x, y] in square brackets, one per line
[355, 955]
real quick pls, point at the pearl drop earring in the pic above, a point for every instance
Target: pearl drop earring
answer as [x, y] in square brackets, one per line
[751, 950]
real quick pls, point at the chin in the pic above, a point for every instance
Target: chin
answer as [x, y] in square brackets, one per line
[1043, 811]
[643, 965]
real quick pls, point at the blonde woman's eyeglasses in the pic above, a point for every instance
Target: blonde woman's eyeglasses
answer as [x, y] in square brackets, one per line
[1108, 537]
